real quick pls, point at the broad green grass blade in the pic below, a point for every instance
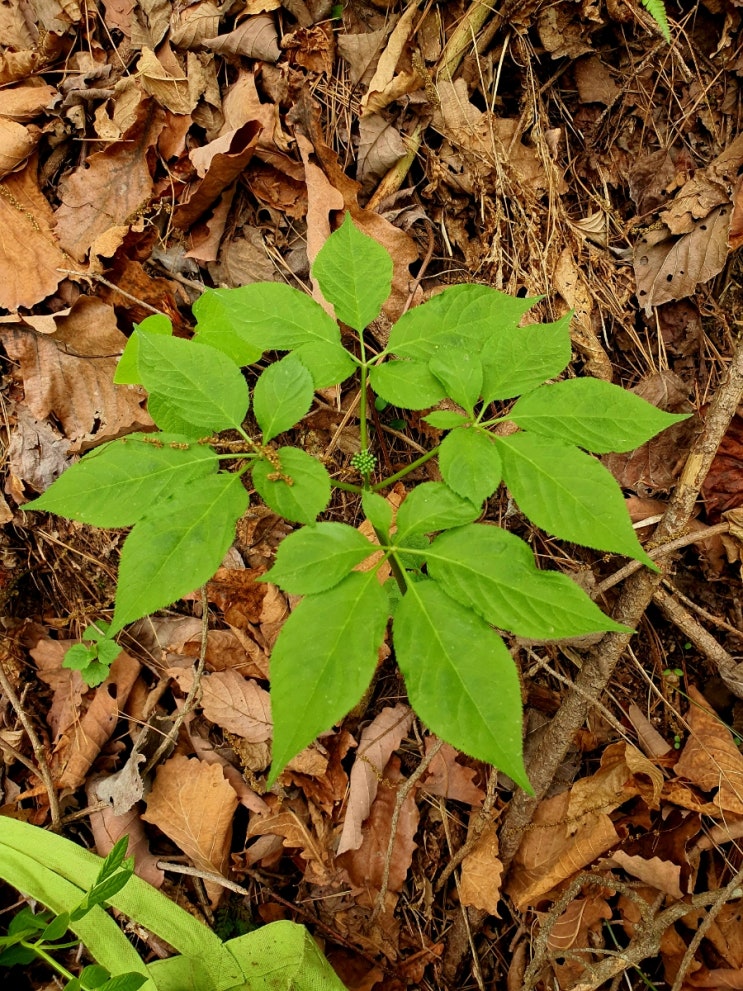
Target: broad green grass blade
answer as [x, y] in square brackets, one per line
[264, 316]
[408, 384]
[282, 396]
[460, 678]
[354, 273]
[283, 956]
[299, 491]
[569, 494]
[494, 573]
[470, 463]
[116, 484]
[177, 547]
[518, 359]
[432, 506]
[596, 415]
[200, 384]
[317, 557]
[324, 659]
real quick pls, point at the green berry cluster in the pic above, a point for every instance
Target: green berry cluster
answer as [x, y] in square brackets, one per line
[364, 462]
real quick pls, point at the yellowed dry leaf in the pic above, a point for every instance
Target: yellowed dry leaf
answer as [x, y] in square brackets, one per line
[482, 873]
[384, 87]
[193, 804]
[191, 26]
[170, 91]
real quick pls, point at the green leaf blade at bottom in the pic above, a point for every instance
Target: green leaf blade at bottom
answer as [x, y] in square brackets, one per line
[460, 678]
[323, 661]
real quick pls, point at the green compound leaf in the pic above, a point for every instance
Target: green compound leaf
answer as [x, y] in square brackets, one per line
[408, 384]
[460, 372]
[198, 383]
[323, 661]
[127, 370]
[117, 483]
[261, 317]
[282, 396]
[432, 506]
[299, 490]
[460, 678]
[317, 557]
[518, 359]
[466, 313]
[177, 547]
[377, 510]
[493, 572]
[168, 418]
[354, 273]
[569, 494]
[328, 364]
[657, 10]
[446, 419]
[592, 414]
[470, 464]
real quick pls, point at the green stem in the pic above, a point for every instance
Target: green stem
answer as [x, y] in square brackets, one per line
[405, 471]
[397, 570]
[346, 486]
[48, 959]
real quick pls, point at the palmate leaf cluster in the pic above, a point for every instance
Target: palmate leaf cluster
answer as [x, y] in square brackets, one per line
[455, 580]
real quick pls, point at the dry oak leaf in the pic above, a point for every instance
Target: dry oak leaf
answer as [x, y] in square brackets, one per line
[30, 255]
[378, 742]
[193, 804]
[710, 758]
[450, 779]
[482, 873]
[234, 703]
[297, 833]
[111, 186]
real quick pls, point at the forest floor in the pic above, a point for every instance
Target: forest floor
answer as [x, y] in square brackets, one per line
[563, 150]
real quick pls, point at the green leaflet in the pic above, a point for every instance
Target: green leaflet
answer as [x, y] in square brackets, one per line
[323, 661]
[569, 494]
[517, 359]
[493, 572]
[378, 511]
[263, 316]
[299, 490]
[446, 419]
[460, 678]
[282, 396]
[470, 313]
[116, 484]
[317, 557]
[432, 506]
[408, 384]
[328, 364]
[470, 463]
[127, 369]
[354, 273]
[592, 414]
[460, 372]
[198, 383]
[177, 547]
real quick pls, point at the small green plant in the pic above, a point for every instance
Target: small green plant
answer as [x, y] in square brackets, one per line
[38, 935]
[454, 580]
[74, 883]
[657, 10]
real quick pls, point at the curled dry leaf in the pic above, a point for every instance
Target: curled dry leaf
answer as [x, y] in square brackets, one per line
[710, 759]
[256, 38]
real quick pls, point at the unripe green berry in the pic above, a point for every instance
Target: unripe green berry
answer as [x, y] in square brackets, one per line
[364, 462]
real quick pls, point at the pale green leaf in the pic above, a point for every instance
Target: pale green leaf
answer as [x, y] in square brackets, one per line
[446, 419]
[317, 557]
[377, 510]
[592, 414]
[167, 416]
[460, 314]
[323, 661]
[460, 678]
[297, 487]
[354, 273]
[518, 359]
[177, 547]
[127, 369]
[470, 463]
[263, 316]
[199, 383]
[460, 372]
[408, 384]
[432, 506]
[282, 396]
[494, 573]
[569, 494]
[328, 364]
[116, 484]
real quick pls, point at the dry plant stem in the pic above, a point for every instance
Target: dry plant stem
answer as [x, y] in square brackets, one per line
[169, 741]
[464, 35]
[402, 794]
[42, 770]
[166, 865]
[484, 819]
[545, 751]
[114, 287]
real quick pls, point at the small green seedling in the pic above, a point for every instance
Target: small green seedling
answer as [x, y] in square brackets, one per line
[455, 581]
